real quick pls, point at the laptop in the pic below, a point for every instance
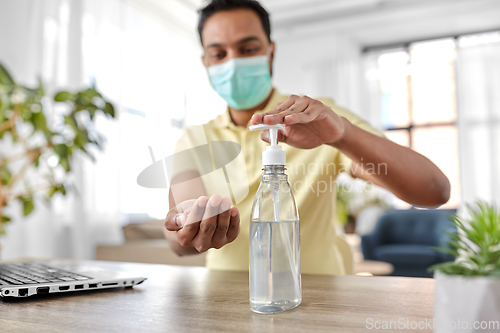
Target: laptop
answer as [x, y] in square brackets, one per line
[28, 278]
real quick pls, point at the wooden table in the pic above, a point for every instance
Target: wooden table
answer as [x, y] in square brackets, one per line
[194, 299]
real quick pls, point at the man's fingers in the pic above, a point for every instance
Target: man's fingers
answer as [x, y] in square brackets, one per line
[280, 107]
[170, 219]
[174, 221]
[191, 225]
[282, 137]
[185, 206]
[298, 106]
[286, 104]
[203, 239]
[273, 119]
[306, 116]
[234, 225]
[197, 211]
[219, 237]
[186, 235]
[257, 118]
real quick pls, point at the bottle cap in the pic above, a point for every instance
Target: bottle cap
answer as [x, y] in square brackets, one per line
[274, 154]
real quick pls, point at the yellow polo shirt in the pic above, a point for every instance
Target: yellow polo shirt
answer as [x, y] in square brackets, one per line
[311, 173]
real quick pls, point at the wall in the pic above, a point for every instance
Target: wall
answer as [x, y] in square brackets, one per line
[325, 65]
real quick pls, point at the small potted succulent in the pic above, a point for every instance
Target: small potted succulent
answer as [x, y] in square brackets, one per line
[467, 294]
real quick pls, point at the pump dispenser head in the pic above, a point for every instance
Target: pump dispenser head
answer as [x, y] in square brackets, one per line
[274, 154]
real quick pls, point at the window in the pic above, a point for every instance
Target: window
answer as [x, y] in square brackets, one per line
[417, 86]
[158, 83]
[418, 108]
[164, 88]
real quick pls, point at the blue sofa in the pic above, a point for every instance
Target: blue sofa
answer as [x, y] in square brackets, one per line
[403, 238]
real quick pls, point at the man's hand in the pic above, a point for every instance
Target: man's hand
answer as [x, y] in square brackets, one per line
[308, 123]
[204, 223]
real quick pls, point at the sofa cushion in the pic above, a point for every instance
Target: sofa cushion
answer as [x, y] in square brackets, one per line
[420, 227]
[405, 254]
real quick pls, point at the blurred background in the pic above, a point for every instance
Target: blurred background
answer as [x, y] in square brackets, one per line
[426, 72]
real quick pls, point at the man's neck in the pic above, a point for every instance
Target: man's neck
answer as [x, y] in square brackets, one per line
[242, 117]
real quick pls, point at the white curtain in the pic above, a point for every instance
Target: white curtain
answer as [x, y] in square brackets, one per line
[148, 70]
[321, 66]
[44, 38]
[478, 119]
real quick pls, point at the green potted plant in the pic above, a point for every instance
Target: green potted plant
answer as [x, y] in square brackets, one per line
[41, 149]
[467, 294]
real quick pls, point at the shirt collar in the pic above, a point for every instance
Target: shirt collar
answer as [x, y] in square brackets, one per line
[224, 120]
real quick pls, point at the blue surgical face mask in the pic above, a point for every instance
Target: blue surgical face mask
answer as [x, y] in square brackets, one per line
[243, 83]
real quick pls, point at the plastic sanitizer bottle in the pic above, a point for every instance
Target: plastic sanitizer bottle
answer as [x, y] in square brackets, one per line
[275, 284]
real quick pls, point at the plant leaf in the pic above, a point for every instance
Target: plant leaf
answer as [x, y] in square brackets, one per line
[91, 108]
[444, 250]
[452, 268]
[51, 191]
[5, 175]
[64, 162]
[5, 77]
[41, 89]
[28, 205]
[494, 272]
[61, 189]
[109, 109]
[39, 121]
[478, 247]
[61, 150]
[71, 121]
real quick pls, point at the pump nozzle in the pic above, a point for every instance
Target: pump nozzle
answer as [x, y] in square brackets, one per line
[274, 154]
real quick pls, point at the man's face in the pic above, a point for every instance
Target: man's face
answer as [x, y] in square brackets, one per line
[232, 34]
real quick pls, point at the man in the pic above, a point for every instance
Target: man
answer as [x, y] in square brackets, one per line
[238, 55]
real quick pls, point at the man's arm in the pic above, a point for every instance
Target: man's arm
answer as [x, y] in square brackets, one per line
[309, 124]
[409, 175]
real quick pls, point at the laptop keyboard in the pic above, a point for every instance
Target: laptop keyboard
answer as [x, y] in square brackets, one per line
[34, 272]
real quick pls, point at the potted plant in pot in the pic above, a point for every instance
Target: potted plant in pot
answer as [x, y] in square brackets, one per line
[36, 155]
[467, 297]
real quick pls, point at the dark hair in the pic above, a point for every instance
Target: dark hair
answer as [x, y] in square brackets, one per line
[221, 5]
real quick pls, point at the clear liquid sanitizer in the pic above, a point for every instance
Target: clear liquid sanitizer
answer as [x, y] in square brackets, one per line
[275, 284]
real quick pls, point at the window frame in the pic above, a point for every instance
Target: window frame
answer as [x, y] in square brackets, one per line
[409, 91]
